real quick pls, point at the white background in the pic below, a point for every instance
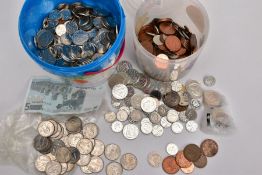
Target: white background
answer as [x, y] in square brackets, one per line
[232, 55]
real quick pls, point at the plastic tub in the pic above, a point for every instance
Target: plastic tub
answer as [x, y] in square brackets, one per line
[30, 21]
[184, 12]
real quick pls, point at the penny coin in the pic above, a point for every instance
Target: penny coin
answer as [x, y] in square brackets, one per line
[128, 161]
[136, 101]
[155, 118]
[154, 159]
[84, 160]
[209, 80]
[201, 162]
[188, 170]
[171, 149]
[63, 155]
[110, 117]
[209, 147]
[96, 164]
[169, 165]
[85, 146]
[148, 104]
[130, 131]
[158, 131]
[75, 155]
[120, 91]
[165, 123]
[171, 99]
[73, 139]
[64, 168]
[117, 126]
[114, 168]
[167, 28]
[148, 45]
[41, 162]
[192, 152]
[146, 127]
[112, 152]
[182, 161]
[172, 116]
[212, 98]
[136, 115]
[177, 127]
[90, 130]
[194, 89]
[46, 128]
[53, 168]
[173, 43]
[122, 115]
[74, 125]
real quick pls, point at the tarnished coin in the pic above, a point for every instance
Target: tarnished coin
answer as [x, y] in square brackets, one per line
[115, 80]
[63, 168]
[209, 147]
[177, 127]
[154, 159]
[182, 161]
[44, 38]
[136, 115]
[209, 80]
[75, 155]
[46, 128]
[99, 148]
[63, 155]
[194, 89]
[84, 160]
[201, 162]
[57, 144]
[117, 126]
[136, 101]
[212, 98]
[42, 144]
[51, 156]
[148, 104]
[169, 165]
[128, 161]
[191, 126]
[90, 130]
[172, 116]
[74, 125]
[195, 103]
[171, 99]
[110, 117]
[155, 118]
[122, 115]
[112, 152]
[165, 123]
[53, 168]
[96, 164]
[188, 170]
[158, 131]
[177, 86]
[73, 139]
[123, 66]
[191, 114]
[120, 91]
[192, 152]
[130, 131]
[162, 110]
[85, 146]
[41, 162]
[114, 168]
[172, 149]
[64, 129]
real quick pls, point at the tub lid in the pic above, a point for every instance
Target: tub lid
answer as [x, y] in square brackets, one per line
[131, 6]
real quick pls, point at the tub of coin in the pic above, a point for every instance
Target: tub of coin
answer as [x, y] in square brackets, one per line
[169, 36]
[77, 39]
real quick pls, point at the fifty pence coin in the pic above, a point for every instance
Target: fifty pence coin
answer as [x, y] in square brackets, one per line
[158, 131]
[148, 104]
[41, 162]
[154, 159]
[53, 168]
[120, 91]
[117, 126]
[130, 131]
[112, 152]
[90, 130]
[177, 127]
[46, 128]
[171, 149]
[128, 161]
[114, 168]
[191, 126]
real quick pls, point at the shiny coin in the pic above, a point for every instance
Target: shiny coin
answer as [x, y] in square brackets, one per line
[136, 101]
[172, 116]
[188, 170]
[73, 139]
[183, 117]
[148, 104]
[158, 131]
[194, 89]
[146, 128]
[136, 116]
[71, 27]
[90, 130]
[53, 168]
[212, 98]
[122, 115]
[60, 29]
[63, 155]
[177, 127]
[96, 164]
[177, 86]
[46, 128]
[99, 148]
[110, 117]
[171, 99]
[173, 43]
[209, 148]
[162, 110]
[209, 80]
[112, 152]
[155, 118]
[192, 152]
[114, 168]
[130, 131]
[172, 149]
[169, 165]
[74, 125]
[41, 162]
[157, 40]
[117, 126]
[84, 160]
[165, 123]
[191, 114]
[128, 161]
[195, 103]
[120, 91]
[145, 120]
[85, 146]
[154, 159]
[182, 161]
[201, 162]
[191, 126]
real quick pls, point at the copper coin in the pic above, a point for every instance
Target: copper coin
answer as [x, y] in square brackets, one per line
[162, 47]
[163, 20]
[148, 46]
[181, 52]
[182, 161]
[193, 41]
[201, 162]
[173, 43]
[143, 36]
[192, 152]
[188, 170]
[167, 28]
[169, 165]
[180, 108]
[171, 99]
[209, 147]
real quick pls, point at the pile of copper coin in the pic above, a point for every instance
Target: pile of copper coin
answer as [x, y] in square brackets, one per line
[65, 145]
[75, 35]
[164, 36]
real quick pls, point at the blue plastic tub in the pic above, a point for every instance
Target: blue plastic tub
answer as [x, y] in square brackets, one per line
[30, 21]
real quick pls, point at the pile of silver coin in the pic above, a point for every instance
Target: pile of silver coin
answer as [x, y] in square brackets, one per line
[75, 35]
[65, 145]
[164, 105]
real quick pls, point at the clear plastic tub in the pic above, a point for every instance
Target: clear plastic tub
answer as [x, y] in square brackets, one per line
[190, 13]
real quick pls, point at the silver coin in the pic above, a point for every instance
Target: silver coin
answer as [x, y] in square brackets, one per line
[120, 91]
[123, 66]
[128, 161]
[212, 99]
[117, 126]
[191, 114]
[147, 128]
[220, 118]
[122, 115]
[130, 131]
[64, 168]
[125, 108]
[195, 103]
[162, 110]
[194, 89]
[174, 75]
[165, 123]
[154, 159]
[177, 86]
[158, 131]
[80, 37]
[46, 128]
[112, 152]
[84, 160]
[96, 164]
[148, 104]
[84, 146]
[53, 168]
[64, 129]
[157, 40]
[145, 120]
[136, 101]
[86, 169]
[110, 117]
[209, 80]
[41, 162]
[177, 127]
[114, 168]
[172, 116]
[60, 29]
[191, 126]
[155, 118]
[63, 155]
[99, 148]
[136, 116]
[90, 130]
[172, 149]
[183, 117]
[73, 139]
[65, 139]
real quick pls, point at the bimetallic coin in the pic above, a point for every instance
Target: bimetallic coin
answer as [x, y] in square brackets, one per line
[191, 126]
[96, 164]
[158, 131]
[209, 80]
[117, 126]
[112, 152]
[90, 130]
[122, 115]
[73, 139]
[155, 118]
[154, 159]
[165, 123]
[74, 125]
[53, 168]
[177, 127]
[41, 162]
[148, 104]
[136, 101]
[209, 147]
[188, 170]
[46, 128]
[130, 131]
[85, 146]
[84, 160]
[99, 148]
[192, 152]
[110, 117]
[182, 161]
[172, 149]
[177, 86]
[63, 155]
[172, 116]
[114, 168]
[194, 89]
[120, 91]
[128, 161]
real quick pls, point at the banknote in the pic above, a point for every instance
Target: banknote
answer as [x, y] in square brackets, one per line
[57, 97]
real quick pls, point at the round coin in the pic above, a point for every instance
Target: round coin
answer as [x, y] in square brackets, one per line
[188, 170]
[191, 126]
[177, 86]
[84, 160]
[209, 80]
[173, 43]
[122, 115]
[212, 98]
[99, 148]
[90, 130]
[169, 165]
[177, 127]
[209, 147]
[171, 99]
[96, 164]
[171, 149]
[63, 155]
[158, 131]
[128, 161]
[85, 146]
[120, 91]
[130, 131]
[195, 103]
[172, 116]
[155, 118]
[194, 89]
[165, 123]
[73, 139]
[112, 152]
[136, 101]
[110, 117]
[46, 128]
[162, 110]
[60, 29]
[75, 155]
[148, 104]
[154, 159]
[136, 115]
[146, 128]
[114, 168]
[74, 125]
[201, 162]
[117, 126]
[182, 161]
[53, 168]
[41, 162]
[191, 114]
[192, 152]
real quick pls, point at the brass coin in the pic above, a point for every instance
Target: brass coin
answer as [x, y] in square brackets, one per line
[209, 147]
[192, 152]
[182, 161]
[173, 43]
[169, 165]
[201, 162]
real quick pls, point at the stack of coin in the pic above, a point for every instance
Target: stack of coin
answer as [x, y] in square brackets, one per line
[65, 145]
[75, 35]
[164, 36]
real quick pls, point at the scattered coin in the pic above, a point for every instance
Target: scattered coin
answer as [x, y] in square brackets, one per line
[96, 164]
[136, 101]
[155, 118]
[162, 110]
[172, 116]
[209, 147]
[171, 99]
[146, 128]
[73, 139]
[84, 160]
[177, 127]
[74, 125]
[114, 168]
[195, 103]
[64, 168]
[90, 130]
[212, 98]
[122, 115]
[110, 117]
[41, 162]
[117, 126]
[209, 80]
[182, 161]
[192, 152]
[191, 114]
[112, 152]
[169, 165]
[201, 162]
[191, 126]
[128, 161]
[172, 149]
[53, 168]
[194, 89]
[136, 115]
[130, 131]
